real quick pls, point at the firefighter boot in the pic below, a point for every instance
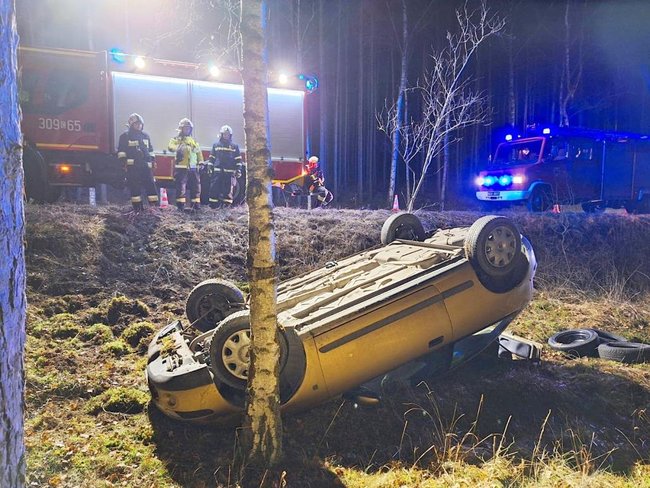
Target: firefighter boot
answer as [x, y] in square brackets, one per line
[180, 206]
[196, 207]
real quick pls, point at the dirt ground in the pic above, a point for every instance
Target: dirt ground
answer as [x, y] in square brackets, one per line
[101, 282]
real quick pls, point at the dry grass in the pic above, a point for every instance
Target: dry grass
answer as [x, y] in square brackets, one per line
[95, 275]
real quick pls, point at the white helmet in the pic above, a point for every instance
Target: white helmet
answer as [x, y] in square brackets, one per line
[226, 129]
[185, 122]
[133, 118]
[313, 159]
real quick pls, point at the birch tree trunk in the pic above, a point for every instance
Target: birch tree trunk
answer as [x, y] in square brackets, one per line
[262, 435]
[12, 259]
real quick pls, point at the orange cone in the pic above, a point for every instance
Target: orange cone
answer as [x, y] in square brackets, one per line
[396, 204]
[164, 202]
[556, 208]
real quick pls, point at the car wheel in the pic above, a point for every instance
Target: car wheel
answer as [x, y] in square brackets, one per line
[539, 200]
[493, 248]
[592, 207]
[402, 226]
[211, 301]
[577, 342]
[625, 352]
[230, 350]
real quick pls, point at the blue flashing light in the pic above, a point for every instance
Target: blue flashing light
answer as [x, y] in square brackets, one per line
[505, 180]
[508, 137]
[117, 55]
[311, 84]
[546, 130]
[489, 181]
[301, 77]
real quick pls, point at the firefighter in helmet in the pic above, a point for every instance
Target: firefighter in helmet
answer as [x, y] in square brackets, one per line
[189, 159]
[315, 182]
[135, 151]
[226, 168]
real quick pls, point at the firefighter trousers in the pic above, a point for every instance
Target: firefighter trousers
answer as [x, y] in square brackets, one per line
[184, 178]
[139, 179]
[222, 187]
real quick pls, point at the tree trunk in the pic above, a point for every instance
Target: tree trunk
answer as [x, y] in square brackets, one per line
[12, 259]
[324, 94]
[445, 166]
[262, 435]
[400, 109]
[360, 112]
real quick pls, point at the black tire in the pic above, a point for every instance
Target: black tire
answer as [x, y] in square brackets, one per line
[239, 192]
[211, 301]
[540, 199]
[402, 226]
[37, 188]
[576, 342]
[493, 248]
[229, 350]
[592, 207]
[625, 352]
[608, 337]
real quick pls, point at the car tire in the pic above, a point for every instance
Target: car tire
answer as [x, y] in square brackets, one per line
[211, 301]
[608, 337]
[540, 199]
[592, 207]
[576, 342]
[500, 268]
[625, 352]
[229, 350]
[402, 226]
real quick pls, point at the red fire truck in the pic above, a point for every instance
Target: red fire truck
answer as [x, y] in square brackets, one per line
[549, 165]
[75, 105]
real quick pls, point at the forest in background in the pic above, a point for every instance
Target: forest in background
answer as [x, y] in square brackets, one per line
[576, 62]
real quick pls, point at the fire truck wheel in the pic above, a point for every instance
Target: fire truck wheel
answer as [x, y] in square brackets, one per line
[211, 301]
[493, 248]
[592, 207]
[540, 199]
[402, 226]
[230, 350]
[37, 188]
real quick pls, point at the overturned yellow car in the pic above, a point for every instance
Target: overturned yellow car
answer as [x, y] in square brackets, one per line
[434, 301]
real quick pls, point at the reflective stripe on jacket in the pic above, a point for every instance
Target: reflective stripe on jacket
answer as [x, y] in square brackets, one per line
[187, 150]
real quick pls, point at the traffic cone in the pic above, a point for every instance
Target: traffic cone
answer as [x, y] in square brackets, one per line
[164, 202]
[396, 204]
[556, 208]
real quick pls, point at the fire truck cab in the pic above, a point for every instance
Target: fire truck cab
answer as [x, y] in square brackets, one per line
[75, 105]
[550, 165]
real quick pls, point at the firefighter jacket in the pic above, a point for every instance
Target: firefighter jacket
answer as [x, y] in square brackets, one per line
[314, 179]
[226, 157]
[187, 150]
[134, 148]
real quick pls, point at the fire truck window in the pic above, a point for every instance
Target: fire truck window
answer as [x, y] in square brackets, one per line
[64, 90]
[28, 90]
[583, 150]
[559, 150]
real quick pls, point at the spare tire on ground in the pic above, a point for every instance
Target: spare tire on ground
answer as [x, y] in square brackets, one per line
[576, 342]
[625, 352]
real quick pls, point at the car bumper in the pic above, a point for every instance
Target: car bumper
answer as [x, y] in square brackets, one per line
[503, 196]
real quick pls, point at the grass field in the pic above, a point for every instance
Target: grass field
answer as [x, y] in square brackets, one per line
[100, 283]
